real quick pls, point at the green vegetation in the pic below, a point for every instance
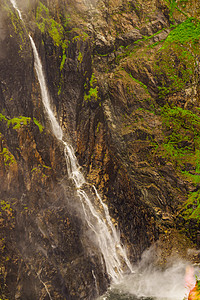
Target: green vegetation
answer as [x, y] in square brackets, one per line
[191, 213]
[18, 28]
[177, 59]
[20, 121]
[138, 81]
[39, 167]
[7, 157]
[2, 117]
[150, 36]
[41, 171]
[57, 32]
[41, 128]
[92, 94]
[81, 34]
[174, 5]
[15, 122]
[46, 23]
[174, 68]
[186, 32]
[63, 61]
[98, 126]
[192, 206]
[182, 141]
[5, 206]
[80, 57]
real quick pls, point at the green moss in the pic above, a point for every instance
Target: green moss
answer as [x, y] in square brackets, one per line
[41, 128]
[191, 209]
[46, 23]
[20, 121]
[151, 36]
[92, 93]
[56, 31]
[41, 12]
[7, 157]
[3, 117]
[181, 118]
[98, 126]
[181, 145]
[41, 171]
[5, 206]
[15, 122]
[138, 81]
[46, 167]
[18, 28]
[174, 67]
[188, 31]
[173, 5]
[56, 28]
[82, 36]
[63, 61]
[80, 57]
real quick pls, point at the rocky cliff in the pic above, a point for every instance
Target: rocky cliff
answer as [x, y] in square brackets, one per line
[124, 83]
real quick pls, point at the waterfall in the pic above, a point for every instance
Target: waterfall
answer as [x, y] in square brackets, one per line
[95, 210]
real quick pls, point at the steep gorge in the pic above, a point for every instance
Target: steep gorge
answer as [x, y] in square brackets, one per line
[123, 79]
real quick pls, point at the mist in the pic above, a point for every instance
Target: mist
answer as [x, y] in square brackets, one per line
[149, 281]
[26, 4]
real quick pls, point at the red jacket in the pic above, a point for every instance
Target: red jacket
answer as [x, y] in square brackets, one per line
[194, 293]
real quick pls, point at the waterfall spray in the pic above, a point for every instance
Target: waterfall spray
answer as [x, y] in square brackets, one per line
[108, 239]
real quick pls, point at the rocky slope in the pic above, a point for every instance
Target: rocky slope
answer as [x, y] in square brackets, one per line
[124, 82]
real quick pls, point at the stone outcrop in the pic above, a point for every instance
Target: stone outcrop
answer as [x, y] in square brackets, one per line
[124, 86]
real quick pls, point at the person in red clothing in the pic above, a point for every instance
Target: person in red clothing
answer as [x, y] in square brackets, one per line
[195, 292]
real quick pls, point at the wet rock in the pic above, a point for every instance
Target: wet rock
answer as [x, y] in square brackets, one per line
[104, 92]
[129, 37]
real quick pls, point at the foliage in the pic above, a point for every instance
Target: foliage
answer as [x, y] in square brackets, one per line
[174, 67]
[55, 29]
[192, 206]
[63, 61]
[177, 59]
[190, 213]
[138, 81]
[188, 31]
[8, 157]
[46, 23]
[173, 5]
[92, 94]
[81, 34]
[181, 145]
[17, 122]
[181, 118]
[7, 223]
[80, 57]
[41, 171]
[2, 117]
[5, 206]
[41, 128]
[18, 28]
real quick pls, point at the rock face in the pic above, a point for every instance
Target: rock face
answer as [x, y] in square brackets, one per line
[124, 83]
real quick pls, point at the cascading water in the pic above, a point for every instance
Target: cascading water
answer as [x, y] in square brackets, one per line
[108, 239]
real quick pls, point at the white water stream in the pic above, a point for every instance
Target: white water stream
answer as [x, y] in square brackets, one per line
[107, 237]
